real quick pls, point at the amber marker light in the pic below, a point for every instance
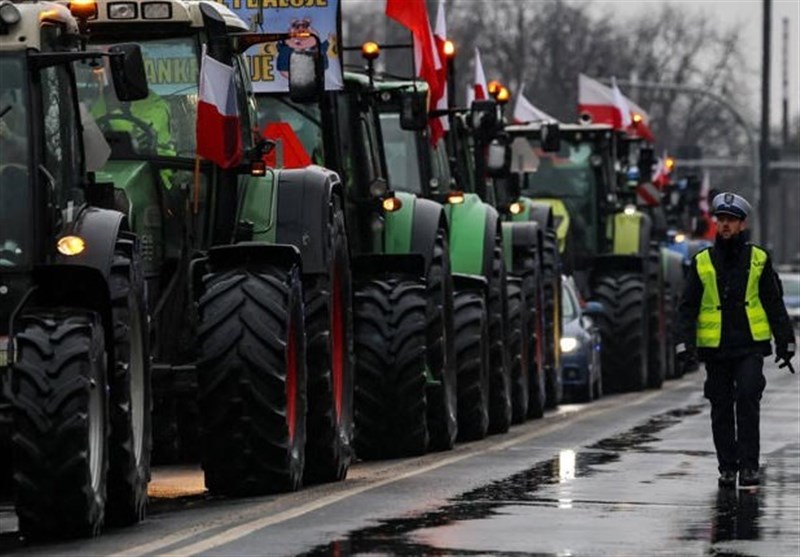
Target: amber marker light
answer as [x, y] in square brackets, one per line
[494, 87]
[71, 245]
[503, 95]
[515, 208]
[455, 197]
[449, 49]
[637, 118]
[670, 164]
[391, 204]
[83, 9]
[258, 168]
[370, 50]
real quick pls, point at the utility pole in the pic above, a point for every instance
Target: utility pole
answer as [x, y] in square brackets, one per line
[764, 208]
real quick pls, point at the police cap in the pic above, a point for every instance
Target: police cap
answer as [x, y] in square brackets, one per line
[727, 203]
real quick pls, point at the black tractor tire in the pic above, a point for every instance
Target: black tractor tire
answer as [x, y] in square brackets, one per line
[252, 380]
[533, 314]
[471, 324]
[442, 394]
[131, 402]
[551, 285]
[61, 425]
[670, 312]
[518, 356]
[623, 326]
[390, 386]
[329, 330]
[500, 370]
[657, 349]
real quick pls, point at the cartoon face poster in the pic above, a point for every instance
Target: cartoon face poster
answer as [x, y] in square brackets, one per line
[269, 62]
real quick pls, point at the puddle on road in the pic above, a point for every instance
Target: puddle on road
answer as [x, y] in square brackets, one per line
[392, 536]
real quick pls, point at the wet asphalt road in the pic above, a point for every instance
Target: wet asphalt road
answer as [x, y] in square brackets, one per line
[630, 474]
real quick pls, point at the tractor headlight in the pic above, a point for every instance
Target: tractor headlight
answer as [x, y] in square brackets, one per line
[156, 10]
[568, 344]
[9, 14]
[122, 10]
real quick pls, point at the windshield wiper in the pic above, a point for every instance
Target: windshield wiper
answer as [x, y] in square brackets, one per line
[5, 111]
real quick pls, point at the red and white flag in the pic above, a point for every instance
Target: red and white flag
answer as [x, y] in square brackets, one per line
[621, 104]
[479, 91]
[413, 14]
[705, 191]
[524, 111]
[640, 121]
[441, 124]
[219, 136]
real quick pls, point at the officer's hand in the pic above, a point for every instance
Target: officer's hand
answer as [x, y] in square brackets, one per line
[785, 353]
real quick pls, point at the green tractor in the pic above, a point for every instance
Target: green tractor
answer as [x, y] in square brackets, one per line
[614, 252]
[74, 360]
[247, 267]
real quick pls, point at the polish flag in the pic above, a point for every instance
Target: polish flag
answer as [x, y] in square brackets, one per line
[413, 14]
[524, 111]
[441, 124]
[599, 102]
[479, 91]
[621, 104]
[219, 137]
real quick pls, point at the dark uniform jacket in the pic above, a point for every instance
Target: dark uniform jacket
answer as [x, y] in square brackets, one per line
[731, 261]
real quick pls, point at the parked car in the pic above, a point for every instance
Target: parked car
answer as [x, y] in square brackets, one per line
[791, 295]
[581, 373]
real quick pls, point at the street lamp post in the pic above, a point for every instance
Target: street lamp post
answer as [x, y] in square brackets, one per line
[751, 140]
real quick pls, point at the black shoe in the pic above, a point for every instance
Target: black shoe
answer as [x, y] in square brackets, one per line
[749, 478]
[727, 478]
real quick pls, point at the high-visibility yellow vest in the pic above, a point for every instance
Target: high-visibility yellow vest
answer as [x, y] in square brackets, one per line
[709, 320]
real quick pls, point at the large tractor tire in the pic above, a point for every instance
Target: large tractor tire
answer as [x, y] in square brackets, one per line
[500, 370]
[390, 398]
[329, 330]
[442, 395]
[670, 311]
[533, 316]
[129, 382]
[472, 360]
[624, 330]
[60, 425]
[252, 380]
[551, 285]
[518, 355]
[657, 332]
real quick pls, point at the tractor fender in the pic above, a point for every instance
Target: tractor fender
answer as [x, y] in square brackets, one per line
[304, 199]
[99, 229]
[672, 263]
[429, 217]
[473, 229]
[541, 213]
[519, 237]
[243, 254]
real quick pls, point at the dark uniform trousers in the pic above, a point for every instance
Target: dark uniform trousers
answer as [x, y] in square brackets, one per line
[734, 387]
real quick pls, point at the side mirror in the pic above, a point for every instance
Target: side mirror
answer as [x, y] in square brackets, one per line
[413, 110]
[593, 309]
[483, 115]
[127, 72]
[305, 76]
[551, 137]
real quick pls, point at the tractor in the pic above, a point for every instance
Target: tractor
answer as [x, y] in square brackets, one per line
[247, 266]
[75, 425]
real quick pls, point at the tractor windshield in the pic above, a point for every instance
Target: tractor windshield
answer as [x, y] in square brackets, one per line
[14, 162]
[163, 124]
[302, 139]
[567, 175]
[402, 157]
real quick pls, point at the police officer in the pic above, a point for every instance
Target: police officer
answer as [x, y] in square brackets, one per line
[732, 306]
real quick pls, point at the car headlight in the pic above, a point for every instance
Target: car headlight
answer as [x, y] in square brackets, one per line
[568, 344]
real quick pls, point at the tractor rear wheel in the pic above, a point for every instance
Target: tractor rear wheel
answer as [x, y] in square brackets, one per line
[329, 328]
[517, 346]
[252, 380]
[500, 370]
[657, 349]
[390, 384]
[472, 359]
[131, 403]
[442, 395]
[551, 284]
[623, 327]
[534, 315]
[60, 434]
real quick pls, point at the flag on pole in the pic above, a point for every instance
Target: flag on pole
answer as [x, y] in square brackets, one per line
[413, 14]
[219, 137]
[621, 104]
[524, 111]
[441, 124]
[479, 91]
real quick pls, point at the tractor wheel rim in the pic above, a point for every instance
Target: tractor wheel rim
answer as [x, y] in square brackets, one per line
[95, 428]
[137, 367]
[337, 346]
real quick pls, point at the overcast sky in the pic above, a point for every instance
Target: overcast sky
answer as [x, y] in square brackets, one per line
[748, 14]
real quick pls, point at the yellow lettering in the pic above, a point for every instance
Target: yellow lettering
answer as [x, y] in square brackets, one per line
[150, 70]
[261, 68]
[163, 71]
